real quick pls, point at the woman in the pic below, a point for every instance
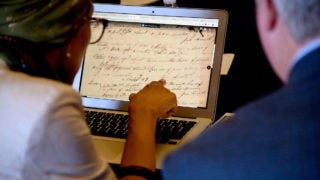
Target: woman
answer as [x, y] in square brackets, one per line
[44, 134]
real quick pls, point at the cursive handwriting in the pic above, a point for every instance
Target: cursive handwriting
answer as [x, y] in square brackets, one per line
[129, 56]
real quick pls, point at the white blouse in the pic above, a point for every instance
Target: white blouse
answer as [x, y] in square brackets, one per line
[43, 132]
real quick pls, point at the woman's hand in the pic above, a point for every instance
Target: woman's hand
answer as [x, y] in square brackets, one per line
[150, 103]
[154, 99]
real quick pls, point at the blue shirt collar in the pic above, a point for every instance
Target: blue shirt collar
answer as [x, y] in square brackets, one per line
[306, 50]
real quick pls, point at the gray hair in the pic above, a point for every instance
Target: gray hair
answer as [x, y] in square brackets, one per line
[301, 16]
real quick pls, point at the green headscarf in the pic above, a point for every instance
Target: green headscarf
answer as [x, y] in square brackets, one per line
[47, 21]
[28, 28]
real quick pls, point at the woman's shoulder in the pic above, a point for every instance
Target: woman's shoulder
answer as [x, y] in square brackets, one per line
[35, 92]
[26, 83]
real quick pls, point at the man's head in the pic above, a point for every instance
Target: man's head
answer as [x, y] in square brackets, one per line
[285, 26]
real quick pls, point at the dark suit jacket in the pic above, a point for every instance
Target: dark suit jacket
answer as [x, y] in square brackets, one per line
[276, 137]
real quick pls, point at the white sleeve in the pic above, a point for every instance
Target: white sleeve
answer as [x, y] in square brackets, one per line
[61, 147]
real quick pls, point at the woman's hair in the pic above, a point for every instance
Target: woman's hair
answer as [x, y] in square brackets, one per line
[301, 16]
[25, 56]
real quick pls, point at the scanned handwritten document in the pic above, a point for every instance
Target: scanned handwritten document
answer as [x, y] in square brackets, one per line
[132, 55]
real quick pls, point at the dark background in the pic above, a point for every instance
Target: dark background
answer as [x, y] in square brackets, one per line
[250, 75]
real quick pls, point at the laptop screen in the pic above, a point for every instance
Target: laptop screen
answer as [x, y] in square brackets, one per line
[138, 47]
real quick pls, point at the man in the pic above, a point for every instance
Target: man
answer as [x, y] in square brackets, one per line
[278, 136]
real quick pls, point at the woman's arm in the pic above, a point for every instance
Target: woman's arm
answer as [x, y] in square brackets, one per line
[149, 104]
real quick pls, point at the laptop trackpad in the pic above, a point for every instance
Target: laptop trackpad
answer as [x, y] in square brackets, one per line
[109, 150]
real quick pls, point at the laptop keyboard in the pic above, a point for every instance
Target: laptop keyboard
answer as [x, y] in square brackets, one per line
[169, 131]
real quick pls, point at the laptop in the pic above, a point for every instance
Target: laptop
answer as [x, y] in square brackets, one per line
[141, 44]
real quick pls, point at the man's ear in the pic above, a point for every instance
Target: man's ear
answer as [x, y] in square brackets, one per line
[271, 14]
[266, 14]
